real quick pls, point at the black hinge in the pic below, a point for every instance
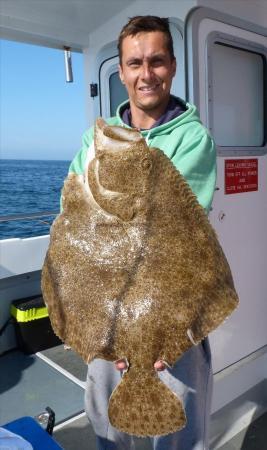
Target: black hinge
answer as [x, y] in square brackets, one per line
[93, 89]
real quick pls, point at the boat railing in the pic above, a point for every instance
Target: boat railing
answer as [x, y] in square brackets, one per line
[28, 216]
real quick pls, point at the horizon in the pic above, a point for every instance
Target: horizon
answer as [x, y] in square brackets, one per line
[36, 159]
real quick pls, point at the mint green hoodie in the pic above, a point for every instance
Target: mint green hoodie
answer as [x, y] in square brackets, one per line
[184, 140]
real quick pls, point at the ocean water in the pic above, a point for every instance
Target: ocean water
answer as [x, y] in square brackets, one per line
[27, 187]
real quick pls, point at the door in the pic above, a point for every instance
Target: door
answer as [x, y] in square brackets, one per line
[226, 78]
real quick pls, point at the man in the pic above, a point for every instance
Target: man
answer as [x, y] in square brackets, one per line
[147, 67]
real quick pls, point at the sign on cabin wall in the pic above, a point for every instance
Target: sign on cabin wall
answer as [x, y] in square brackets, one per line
[241, 175]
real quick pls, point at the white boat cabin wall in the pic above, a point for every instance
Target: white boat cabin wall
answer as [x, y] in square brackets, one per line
[221, 67]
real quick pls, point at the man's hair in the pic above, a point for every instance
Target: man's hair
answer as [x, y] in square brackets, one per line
[146, 24]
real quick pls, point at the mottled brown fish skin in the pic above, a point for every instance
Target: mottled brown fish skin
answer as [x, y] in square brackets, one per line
[134, 270]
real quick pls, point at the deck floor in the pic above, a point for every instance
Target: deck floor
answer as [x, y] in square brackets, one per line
[252, 438]
[28, 385]
[32, 382]
[80, 431]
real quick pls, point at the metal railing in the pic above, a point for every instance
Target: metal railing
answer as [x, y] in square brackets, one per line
[28, 216]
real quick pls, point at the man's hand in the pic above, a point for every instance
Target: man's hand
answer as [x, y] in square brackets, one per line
[121, 364]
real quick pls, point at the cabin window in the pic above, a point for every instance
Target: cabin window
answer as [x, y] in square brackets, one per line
[237, 111]
[117, 91]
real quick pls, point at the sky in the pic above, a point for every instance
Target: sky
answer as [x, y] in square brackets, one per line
[41, 116]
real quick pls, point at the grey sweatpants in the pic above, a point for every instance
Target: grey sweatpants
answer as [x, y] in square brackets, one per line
[190, 379]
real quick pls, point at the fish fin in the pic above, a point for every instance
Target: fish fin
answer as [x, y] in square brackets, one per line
[50, 296]
[142, 405]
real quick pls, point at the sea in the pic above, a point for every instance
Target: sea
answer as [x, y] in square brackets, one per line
[29, 187]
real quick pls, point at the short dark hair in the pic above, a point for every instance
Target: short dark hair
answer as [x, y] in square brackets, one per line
[139, 24]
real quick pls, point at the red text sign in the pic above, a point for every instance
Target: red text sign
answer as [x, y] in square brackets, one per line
[241, 175]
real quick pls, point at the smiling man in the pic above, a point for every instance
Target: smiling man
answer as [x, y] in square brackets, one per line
[147, 67]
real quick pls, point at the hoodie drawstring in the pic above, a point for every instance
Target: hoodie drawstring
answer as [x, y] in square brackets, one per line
[147, 138]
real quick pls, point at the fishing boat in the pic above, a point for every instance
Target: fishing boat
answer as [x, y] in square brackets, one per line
[221, 50]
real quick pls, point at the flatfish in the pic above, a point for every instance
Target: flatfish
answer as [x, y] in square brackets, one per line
[134, 270]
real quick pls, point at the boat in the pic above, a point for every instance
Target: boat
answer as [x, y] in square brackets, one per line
[221, 49]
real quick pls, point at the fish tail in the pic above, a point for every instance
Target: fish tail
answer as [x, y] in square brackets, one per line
[143, 405]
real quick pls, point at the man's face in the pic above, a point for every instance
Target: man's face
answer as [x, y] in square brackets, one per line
[147, 70]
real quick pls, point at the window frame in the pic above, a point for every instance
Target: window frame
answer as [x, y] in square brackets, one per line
[244, 45]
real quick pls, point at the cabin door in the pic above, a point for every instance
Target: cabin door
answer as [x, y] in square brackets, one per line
[225, 73]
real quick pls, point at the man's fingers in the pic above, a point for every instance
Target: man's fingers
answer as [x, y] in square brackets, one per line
[160, 365]
[121, 364]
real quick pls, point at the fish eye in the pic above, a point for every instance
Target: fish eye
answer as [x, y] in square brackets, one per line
[146, 163]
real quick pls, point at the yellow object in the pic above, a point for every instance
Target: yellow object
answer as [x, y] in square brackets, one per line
[29, 314]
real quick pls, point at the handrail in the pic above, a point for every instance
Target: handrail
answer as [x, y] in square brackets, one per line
[25, 216]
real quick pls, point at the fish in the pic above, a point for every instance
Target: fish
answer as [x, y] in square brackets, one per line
[134, 270]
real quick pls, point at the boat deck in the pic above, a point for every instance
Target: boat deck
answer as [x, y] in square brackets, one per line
[56, 378]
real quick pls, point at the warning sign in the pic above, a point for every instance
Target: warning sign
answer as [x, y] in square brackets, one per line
[241, 175]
